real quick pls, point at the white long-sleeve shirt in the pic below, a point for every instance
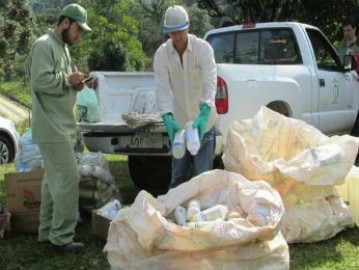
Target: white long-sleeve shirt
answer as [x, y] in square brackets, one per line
[181, 88]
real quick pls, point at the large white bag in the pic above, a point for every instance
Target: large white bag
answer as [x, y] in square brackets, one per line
[143, 237]
[301, 163]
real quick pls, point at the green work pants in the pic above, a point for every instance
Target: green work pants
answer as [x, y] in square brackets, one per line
[59, 193]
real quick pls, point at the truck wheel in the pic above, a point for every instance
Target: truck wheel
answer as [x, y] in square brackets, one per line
[151, 173]
[279, 107]
[218, 163]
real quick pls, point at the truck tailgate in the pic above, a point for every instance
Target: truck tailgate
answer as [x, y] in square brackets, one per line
[121, 139]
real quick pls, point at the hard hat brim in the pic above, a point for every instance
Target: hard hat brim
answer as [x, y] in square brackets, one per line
[169, 29]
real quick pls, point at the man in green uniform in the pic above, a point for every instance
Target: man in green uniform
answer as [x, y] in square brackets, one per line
[54, 84]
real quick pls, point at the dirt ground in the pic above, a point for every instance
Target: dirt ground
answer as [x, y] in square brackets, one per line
[13, 111]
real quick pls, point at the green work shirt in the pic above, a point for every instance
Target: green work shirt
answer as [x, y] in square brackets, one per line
[53, 99]
[342, 49]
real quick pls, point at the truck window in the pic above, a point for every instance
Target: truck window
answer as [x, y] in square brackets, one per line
[223, 46]
[257, 46]
[325, 55]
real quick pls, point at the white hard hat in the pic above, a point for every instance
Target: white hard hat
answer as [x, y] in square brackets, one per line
[176, 19]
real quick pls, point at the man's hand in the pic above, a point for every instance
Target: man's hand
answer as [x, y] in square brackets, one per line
[76, 80]
[202, 119]
[171, 126]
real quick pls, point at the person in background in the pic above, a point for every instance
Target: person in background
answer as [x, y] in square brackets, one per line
[186, 76]
[349, 44]
[54, 87]
[226, 21]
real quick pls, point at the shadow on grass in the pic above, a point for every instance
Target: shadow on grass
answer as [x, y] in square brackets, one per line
[22, 251]
[127, 189]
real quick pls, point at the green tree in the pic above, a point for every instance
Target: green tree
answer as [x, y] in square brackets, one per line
[325, 14]
[16, 36]
[113, 42]
[200, 20]
[150, 15]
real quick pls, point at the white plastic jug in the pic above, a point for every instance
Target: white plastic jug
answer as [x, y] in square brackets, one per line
[192, 139]
[211, 214]
[179, 144]
[180, 215]
[353, 193]
[194, 207]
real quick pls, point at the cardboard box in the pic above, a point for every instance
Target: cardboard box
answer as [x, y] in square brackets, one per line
[100, 225]
[22, 198]
[25, 222]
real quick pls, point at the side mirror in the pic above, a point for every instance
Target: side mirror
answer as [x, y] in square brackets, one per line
[349, 62]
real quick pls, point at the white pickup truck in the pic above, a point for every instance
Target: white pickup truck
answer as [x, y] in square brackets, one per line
[289, 67]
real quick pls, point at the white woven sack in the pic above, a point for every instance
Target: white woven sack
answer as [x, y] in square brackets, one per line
[143, 237]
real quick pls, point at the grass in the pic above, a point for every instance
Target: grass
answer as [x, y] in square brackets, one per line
[21, 251]
[340, 252]
[17, 90]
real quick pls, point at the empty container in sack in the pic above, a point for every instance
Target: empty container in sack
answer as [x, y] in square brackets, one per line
[193, 208]
[180, 215]
[211, 214]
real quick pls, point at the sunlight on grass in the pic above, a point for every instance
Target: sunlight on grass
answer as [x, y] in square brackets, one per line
[18, 89]
[340, 252]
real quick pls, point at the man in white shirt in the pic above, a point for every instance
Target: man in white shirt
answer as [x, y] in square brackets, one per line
[186, 76]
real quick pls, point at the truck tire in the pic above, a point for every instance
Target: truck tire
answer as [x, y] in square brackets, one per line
[218, 163]
[150, 173]
[279, 107]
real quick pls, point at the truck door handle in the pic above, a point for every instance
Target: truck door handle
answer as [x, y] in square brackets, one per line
[321, 82]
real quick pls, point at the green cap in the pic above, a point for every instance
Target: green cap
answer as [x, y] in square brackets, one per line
[78, 13]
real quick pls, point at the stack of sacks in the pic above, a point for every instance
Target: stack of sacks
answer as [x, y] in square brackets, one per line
[302, 164]
[97, 185]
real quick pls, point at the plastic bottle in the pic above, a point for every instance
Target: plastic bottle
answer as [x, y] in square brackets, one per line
[353, 194]
[110, 209]
[233, 214]
[199, 225]
[192, 139]
[211, 214]
[180, 215]
[259, 216]
[194, 207]
[179, 144]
